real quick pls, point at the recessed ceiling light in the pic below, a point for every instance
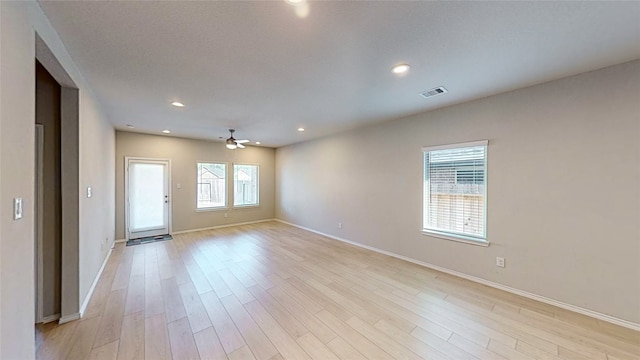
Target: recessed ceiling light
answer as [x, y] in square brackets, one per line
[258, 143]
[130, 126]
[177, 104]
[301, 129]
[400, 68]
[166, 131]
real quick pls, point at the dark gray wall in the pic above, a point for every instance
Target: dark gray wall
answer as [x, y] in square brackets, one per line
[48, 115]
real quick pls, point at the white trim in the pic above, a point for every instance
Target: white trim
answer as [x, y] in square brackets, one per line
[594, 314]
[67, 318]
[223, 226]
[240, 207]
[50, 318]
[462, 239]
[212, 208]
[455, 146]
[85, 302]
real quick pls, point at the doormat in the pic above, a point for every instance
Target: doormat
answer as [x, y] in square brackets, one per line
[149, 239]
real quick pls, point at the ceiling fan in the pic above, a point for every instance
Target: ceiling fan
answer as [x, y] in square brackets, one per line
[233, 143]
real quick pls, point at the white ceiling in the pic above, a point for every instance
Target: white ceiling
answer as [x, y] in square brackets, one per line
[259, 68]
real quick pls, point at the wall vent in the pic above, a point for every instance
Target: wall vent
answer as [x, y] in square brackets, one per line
[433, 92]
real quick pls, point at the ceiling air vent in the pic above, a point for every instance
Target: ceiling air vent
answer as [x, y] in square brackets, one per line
[433, 92]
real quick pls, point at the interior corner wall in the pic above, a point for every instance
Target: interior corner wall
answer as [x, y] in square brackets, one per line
[184, 155]
[563, 202]
[20, 22]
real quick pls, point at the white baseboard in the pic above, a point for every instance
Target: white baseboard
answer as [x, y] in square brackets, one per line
[66, 319]
[594, 314]
[87, 298]
[209, 228]
[50, 318]
[222, 226]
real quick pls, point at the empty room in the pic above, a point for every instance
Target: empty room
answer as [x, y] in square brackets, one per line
[298, 179]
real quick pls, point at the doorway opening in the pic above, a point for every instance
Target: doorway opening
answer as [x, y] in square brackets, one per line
[48, 190]
[57, 193]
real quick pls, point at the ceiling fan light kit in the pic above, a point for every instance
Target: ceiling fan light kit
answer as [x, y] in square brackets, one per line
[233, 144]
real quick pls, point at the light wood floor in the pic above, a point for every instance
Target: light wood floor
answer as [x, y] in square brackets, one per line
[271, 291]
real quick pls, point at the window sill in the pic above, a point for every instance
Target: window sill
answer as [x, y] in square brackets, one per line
[212, 209]
[449, 237]
[246, 206]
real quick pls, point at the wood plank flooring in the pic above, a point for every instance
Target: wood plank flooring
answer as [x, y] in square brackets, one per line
[271, 291]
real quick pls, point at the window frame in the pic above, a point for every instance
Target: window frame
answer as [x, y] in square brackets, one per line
[226, 186]
[453, 235]
[233, 181]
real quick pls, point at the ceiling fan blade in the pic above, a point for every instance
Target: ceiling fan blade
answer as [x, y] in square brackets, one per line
[240, 145]
[241, 141]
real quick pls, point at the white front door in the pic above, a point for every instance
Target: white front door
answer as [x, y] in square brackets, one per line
[147, 197]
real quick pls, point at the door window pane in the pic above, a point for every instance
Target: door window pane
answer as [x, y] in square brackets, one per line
[146, 188]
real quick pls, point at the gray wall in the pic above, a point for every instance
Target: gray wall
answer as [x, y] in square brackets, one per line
[184, 155]
[17, 96]
[20, 21]
[563, 192]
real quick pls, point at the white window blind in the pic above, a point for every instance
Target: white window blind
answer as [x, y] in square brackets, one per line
[455, 189]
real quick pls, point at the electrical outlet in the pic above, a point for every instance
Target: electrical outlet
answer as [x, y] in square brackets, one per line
[226, 215]
[500, 261]
[339, 225]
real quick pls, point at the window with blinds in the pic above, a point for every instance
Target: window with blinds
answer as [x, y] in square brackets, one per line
[455, 189]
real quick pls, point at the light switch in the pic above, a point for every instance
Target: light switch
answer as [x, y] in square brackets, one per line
[17, 208]
[89, 191]
[179, 186]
